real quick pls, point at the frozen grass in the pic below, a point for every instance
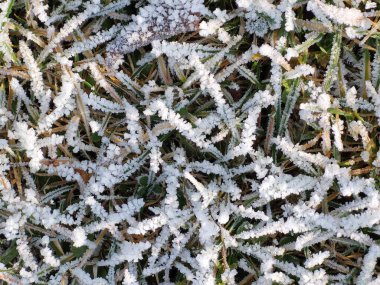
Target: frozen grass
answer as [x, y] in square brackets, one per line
[189, 142]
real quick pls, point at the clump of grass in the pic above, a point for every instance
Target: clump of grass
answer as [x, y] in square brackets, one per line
[189, 142]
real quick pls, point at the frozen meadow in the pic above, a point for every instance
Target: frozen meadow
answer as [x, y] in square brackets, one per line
[189, 142]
